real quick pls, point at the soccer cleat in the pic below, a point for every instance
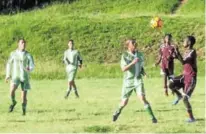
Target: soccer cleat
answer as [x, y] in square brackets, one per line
[116, 115]
[190, 120]
[175, 102]
[154, 120]
[11, 107]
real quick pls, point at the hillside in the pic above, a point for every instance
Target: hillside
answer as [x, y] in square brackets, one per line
[99, 28]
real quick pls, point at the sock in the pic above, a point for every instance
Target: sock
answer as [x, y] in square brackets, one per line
[24, 106]
[68, 91]
[76, 93]
[190, 114]
[149, 110]
[13, 99]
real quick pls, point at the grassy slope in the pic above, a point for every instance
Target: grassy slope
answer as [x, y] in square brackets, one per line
[49, 112]
[98, 28]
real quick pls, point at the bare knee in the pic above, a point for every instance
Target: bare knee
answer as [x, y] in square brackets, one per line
[124, 102]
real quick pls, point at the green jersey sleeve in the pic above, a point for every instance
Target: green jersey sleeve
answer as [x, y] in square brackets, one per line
[123, 61]
[9, 64]
[30, 62]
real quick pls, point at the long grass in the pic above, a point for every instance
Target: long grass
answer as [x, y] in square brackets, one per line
[99, 29]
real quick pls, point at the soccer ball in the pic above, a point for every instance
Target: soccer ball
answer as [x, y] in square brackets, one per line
[156, 22]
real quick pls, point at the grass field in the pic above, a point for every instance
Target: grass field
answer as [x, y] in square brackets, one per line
[48, 111]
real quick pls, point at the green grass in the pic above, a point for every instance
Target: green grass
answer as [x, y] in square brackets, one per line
[48, 111]
[193, 8]
[99, 29]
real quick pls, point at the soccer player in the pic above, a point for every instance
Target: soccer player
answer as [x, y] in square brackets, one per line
[166, 60]
[132, 65]
[72, 59]
[188, 79]
[20, 63]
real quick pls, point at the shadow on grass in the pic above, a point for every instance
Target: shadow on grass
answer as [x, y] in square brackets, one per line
[98, 129]
[50, 111]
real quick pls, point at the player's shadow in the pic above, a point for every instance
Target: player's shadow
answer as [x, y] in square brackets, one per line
[200, 119]
[50, 111]
[160, 110]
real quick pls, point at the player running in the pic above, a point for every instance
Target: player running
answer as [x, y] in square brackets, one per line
[20, 63]
[72, 59]
[132, 65]
[188, 79]
[166, 60]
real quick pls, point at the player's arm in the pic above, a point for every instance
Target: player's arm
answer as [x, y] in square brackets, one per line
[159, 58]
[31, 63]
[143, 71]
[8, 67]
[179, 56]
[80, 61]
[65, 60]
[125, 66]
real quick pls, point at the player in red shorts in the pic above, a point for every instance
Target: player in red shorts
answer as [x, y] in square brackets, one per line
[166, 60]
[188, 82]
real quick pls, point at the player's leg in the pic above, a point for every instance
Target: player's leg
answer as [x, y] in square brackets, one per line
[189, 88]
[75, 89]
[166, 75]
[68, 89]
[25, 86]
[24, 101]
[141, 95]
[175, 84]
[126, 92]
[13, 87]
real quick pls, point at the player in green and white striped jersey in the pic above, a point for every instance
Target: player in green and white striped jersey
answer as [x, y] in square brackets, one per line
[72, 59]
[132, 62]
[19, 65]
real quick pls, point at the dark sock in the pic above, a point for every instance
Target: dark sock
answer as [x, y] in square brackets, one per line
[76, 92]
[13, 99]
[68, 91]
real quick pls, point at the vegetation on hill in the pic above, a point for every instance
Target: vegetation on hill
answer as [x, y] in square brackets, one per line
[99, 29]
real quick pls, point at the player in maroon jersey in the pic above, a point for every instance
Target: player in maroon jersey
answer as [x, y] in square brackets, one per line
[166, 60]
[188, 78]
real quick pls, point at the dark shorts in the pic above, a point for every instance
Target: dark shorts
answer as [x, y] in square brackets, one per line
[168, 70]
[186, 83]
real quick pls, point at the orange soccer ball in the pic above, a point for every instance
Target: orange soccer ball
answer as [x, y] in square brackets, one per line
[156, 22]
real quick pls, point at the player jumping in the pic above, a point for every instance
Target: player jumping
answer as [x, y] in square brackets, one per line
[189, 77]
[132, 66]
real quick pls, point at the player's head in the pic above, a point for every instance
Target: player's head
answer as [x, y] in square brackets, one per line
[189, 42]
[131, 45]
[71, 44]
[167, 38]
[21, 44]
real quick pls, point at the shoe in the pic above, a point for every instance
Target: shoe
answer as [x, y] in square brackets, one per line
[11, 107]
[175, 102]
[23, 110]
[154, 120]
[116, 115]
[190, 120]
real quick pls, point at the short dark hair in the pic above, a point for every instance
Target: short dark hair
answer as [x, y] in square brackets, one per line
[192, 40]
[71, 40]
[169, 35]
[22, 40]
